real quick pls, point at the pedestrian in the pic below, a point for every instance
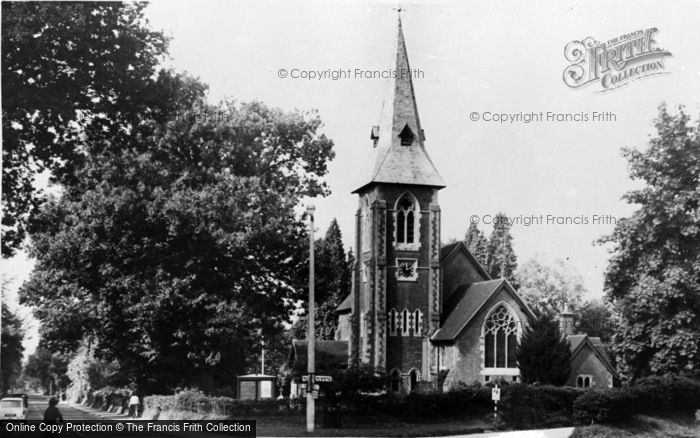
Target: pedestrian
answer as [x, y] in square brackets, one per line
[134, 405]
[52, 416]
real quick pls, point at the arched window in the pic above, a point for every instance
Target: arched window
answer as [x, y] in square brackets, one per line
[413, 378]
[418, 323]
[395, 377]
[366, 225]
[392, 322]
[407, 220]
[405, 322]
[584, 381]
[363, 333]
[500, 339]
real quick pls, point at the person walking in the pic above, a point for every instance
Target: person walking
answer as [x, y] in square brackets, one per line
[134, 403]
[52, 416]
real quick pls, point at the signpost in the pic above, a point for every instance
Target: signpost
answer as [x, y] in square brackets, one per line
[312, 381]
[324, 379]
[496, 397]
[311, 351]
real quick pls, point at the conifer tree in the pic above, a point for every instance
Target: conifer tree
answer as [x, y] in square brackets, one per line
[501, 260]
[543, 354]
[332, 284]
[477, 243]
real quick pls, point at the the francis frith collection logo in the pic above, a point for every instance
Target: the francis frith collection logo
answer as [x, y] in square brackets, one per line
[616, 62]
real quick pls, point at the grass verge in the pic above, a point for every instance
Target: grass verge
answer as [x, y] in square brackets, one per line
[642, 426]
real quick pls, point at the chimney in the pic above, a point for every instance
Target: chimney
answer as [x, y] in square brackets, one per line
[566, 321]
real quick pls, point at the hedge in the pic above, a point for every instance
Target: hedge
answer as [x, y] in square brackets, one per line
[522, 406]
[109, 397]
[527, 406]
[197, 402]
[459, 402]
[652, 395]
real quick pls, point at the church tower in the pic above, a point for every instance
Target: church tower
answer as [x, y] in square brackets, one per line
[396, 298]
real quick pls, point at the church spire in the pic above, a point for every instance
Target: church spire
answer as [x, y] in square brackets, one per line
[399, 154]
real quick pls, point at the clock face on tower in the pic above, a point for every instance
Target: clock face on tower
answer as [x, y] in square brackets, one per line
[406, 269]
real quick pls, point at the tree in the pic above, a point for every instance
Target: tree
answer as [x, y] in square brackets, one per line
[477, 243]
[73, 74]
[596, 319]
[89, 373]
[501, 261]
[11, 349]
[332, 284]
[550, 288]
[182, 247]
[653, 276]
[543, 354]
[49, 368]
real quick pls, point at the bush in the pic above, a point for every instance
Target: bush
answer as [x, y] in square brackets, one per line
[204, 406]
[109, 398]
[603, 405]
[527, 406]
[652, 395]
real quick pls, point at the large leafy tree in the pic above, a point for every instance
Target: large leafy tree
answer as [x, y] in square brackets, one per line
[501, 261]
[549, 288]
[179, 251]
[543, 354]
[50, 369]
[596, 318]
[71, 72]
[654, 272]
[11, 349]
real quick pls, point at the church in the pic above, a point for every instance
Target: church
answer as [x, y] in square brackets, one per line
[422, 314]
[427, 316]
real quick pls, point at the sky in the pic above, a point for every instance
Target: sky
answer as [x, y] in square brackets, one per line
[471, 57]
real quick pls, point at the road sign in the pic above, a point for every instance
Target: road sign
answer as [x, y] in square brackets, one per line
[496, 393]
[317, 378]
[326, 379]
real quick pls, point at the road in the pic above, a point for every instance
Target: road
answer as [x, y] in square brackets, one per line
[37, 406]
[39, 403]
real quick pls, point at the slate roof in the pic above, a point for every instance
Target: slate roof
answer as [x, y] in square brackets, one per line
[391, 162]
[330, 356]
[466, 302]
[599, 349]
[575, 341]
[447, 250]
[345, 306]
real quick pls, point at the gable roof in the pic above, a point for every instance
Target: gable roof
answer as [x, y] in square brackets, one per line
[469, 301]
[466, 301]
[345, 306]
[452, 249]
[579, 342]
[392, 162]
[330, 355]
[575, 341]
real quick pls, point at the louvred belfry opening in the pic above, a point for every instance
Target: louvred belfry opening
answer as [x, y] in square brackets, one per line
[406, 136]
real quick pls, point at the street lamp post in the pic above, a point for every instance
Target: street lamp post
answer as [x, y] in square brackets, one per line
[311, 336]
